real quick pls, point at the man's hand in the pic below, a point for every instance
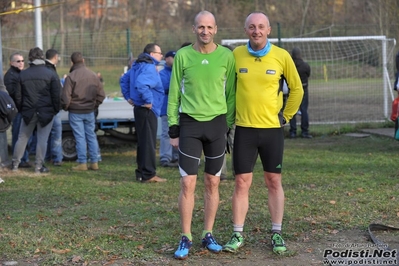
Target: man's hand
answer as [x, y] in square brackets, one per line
[174, 142]
[130, 101]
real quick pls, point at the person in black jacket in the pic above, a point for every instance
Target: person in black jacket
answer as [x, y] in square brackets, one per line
[304, 73]
[54, 144]
[7, 113]
[11, 78]
[38, 97]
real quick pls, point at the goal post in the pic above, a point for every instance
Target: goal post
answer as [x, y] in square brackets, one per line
[350, 78]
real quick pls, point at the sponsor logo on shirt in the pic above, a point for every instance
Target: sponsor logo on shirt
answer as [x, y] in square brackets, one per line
[243, 70]
[205, 62]
[270, 72]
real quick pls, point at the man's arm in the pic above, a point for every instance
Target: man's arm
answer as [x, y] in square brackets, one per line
[55, 92]
[296, 89]
[174, 94]
[66, 93]
[11, 81]
[100, 93]
[18, 95]
[231, 91]
[124, 83]
[145, 81]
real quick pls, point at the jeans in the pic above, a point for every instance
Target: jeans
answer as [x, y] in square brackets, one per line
[166, 152]
[25, 133]
[16, 124]
[54, 145]
[83, 126]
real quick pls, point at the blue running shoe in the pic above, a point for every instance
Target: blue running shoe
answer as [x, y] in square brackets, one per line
[183, 249]
[210, 243]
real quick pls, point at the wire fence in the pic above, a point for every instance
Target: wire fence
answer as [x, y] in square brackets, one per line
[345, 86]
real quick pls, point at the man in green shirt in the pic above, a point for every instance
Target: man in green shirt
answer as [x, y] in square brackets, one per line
[201, 109]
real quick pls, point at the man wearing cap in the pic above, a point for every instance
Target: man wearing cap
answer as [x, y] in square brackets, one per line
[168, 155]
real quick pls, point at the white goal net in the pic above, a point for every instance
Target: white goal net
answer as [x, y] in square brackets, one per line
[351, 77]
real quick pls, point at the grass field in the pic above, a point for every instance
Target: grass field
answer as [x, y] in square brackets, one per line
[332, 183]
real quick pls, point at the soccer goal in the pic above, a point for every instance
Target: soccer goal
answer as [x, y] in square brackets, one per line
[351, 77]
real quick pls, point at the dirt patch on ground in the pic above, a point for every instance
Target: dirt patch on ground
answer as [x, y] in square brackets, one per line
[307, 252]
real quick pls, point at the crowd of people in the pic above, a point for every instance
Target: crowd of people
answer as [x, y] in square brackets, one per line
[39, 95]
[206, 95]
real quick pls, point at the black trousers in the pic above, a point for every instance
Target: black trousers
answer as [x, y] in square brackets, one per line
[304, 115]
[146, 124]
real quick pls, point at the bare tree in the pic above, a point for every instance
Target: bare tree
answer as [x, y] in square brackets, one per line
[62, 31]
[304, 13]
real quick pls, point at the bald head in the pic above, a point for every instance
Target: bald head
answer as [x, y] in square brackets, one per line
[205, 28]
[258, 16]
[257, 28]
[204, 14]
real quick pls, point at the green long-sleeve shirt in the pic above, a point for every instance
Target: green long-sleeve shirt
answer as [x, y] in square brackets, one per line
[202, 85]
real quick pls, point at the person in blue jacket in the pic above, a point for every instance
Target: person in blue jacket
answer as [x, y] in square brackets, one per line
[142, 87]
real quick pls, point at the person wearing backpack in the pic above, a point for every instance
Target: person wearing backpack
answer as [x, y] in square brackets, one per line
[8, 111]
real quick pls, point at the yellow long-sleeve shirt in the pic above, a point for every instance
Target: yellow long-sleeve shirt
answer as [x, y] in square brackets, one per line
[259, 98]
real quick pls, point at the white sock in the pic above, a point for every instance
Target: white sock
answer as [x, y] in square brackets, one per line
[238, 228]
[276, 228]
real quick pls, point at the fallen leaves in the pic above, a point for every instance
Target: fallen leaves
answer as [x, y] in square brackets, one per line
[102, 250]
[60, 251]
[76, 259]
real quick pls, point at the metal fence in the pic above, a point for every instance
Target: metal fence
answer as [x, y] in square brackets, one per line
[340, 90]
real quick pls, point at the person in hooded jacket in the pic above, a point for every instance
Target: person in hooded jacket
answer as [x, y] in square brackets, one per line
[304, 73]
[37, 97]
[141, 86]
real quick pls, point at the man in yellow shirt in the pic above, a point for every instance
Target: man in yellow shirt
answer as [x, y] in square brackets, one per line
[260, 121]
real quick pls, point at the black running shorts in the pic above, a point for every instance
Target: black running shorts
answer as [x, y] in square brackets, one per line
[197, 136]
[249, 142]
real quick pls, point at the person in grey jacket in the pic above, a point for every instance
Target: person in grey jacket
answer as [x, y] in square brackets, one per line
[83, 92]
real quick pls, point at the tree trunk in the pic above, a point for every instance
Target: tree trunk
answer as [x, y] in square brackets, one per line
[304, 14]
